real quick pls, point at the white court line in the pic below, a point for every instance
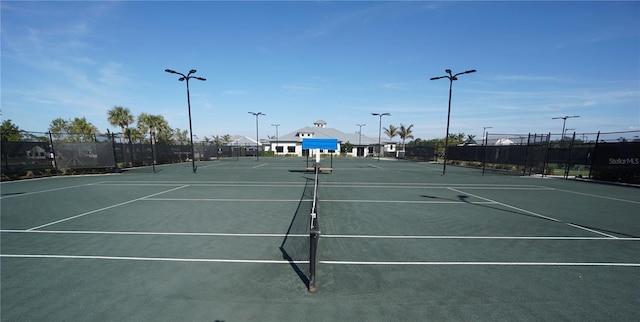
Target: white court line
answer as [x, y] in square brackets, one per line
[201, 184]
[416, 187]
[49, 190]
[482, 237]
[535, 214]
[227, 200]
[597, 196]
[201, 234]
[484, 263]
[157, 259]
[405, 201]
[259, 165]
[323, 200]
[327, 184]
[146, 233]
[216, 163]
[330, 262]
[104, 208]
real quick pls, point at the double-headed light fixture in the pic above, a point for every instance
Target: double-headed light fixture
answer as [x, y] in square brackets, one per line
[564, 123]
[380, 131]
[451, 78]
[257, 137]
[186, 78]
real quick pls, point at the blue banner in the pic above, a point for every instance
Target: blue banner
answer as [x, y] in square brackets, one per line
[323, 144]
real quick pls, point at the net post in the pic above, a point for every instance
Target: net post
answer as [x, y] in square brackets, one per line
[314, 235]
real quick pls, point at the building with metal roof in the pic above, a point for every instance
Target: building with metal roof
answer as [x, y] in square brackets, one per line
[360, 145]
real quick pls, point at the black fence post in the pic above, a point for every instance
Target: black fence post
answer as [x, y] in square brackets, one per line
[112, 137]
[567, 166]
[593, 156]
[484, 153]
[153, 152]
[53, 154]
[546, 156]
[526, 156]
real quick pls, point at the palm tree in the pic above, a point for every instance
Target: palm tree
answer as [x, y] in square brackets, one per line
[405, 133]
[122, 117]
[455, 139]
[135, 135]
[226, 139]
[470, 138]
[152, 124]
[391, 131]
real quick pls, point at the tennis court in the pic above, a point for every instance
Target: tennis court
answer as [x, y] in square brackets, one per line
[399, 241]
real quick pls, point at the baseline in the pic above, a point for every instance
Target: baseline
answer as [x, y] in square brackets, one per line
[330, 262]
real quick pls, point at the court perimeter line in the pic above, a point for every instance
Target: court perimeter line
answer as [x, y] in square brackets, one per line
[151, 233]
[259, 165]
[204, 184]
[483, 263]
[104, 208]
[535, 214]
[269, 261]
[196, 234]
[228, 199]
[324, 200]
[158, 259]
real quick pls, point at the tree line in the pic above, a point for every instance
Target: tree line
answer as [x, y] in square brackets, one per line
[133, 129]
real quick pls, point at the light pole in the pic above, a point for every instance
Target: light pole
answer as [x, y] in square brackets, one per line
[257, 137]
[186, 78]
[564, 122]
[277, 139]
[484, 129]
[380, 131]
[451, 79]
[360, 137]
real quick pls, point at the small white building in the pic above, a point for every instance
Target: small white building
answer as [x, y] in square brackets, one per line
[361, 145]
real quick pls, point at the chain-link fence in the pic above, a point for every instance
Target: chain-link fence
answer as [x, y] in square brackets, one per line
[423, 153]
[44, 153]
[613, 156]
[41, 153]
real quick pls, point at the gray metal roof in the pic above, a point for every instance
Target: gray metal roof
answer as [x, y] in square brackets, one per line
[327, 133]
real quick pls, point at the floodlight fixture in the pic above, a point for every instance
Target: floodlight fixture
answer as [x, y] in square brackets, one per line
[380, 131]
[451, 79]
[186, 78]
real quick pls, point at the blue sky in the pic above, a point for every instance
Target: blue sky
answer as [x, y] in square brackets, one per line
[299, 62]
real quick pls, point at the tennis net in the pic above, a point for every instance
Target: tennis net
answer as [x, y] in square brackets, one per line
[314, 234]
[300, 243]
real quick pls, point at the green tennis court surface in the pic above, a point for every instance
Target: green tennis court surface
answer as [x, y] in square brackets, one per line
[398, 241]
